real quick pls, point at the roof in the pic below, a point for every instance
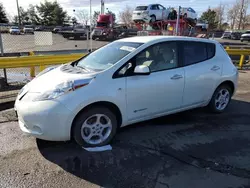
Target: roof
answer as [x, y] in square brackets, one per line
[146, 39]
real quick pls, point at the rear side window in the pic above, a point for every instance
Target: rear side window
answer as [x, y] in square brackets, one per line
[195, 52]
[141, 8]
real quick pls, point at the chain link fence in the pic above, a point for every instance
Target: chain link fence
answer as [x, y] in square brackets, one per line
[21, 41]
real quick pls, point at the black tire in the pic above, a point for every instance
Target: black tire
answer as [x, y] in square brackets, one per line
[212, 103]
[185, 16]
[153, 19]
[84, 116]
[242, 40]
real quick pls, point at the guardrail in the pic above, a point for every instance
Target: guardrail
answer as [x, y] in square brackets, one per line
[41, 61]
[242, 52]
[33, 61]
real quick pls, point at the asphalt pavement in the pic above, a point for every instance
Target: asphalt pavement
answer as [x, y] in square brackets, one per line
[189, 149]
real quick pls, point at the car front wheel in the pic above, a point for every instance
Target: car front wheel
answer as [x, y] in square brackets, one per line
[221, 98]
[94, 127]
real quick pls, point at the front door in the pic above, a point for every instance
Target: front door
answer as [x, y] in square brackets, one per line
[162, 90]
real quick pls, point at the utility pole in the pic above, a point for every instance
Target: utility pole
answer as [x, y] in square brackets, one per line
[90, 20]
[102, 6]
[241, 13]
[177, 22]
[18, 12]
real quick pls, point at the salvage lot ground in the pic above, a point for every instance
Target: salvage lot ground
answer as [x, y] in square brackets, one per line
[26, 43]
[189, 149]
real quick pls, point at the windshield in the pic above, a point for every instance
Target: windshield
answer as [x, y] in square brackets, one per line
[107, 56]
[141, 8]
[100, 24]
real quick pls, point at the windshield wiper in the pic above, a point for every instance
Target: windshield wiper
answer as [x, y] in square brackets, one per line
[84, 68]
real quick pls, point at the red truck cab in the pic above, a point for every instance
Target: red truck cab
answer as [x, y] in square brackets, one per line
[104, 27]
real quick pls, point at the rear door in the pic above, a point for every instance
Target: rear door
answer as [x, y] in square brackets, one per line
[163, 12]
[202, 71]
[154, 10]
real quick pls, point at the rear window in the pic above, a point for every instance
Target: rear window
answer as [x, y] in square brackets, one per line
[195, 52]
[141, 8]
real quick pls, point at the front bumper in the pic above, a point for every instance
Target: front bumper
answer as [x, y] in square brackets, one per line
[47, 120]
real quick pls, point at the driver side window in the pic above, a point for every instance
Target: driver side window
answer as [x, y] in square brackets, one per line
[158, 57]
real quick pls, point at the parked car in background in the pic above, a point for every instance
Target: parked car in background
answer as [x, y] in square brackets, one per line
[14, 30]
[188, 13]
[236, 35]
[4, 28]
[145, 77]
[245, 36]
[227, 35]
[150, 13]
[57, 29]
[28, 29]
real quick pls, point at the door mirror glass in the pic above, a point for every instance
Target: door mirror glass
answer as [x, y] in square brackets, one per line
[141, 70]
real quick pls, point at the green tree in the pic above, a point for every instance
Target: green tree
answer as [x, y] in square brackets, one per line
[51, 13]
[74, 21]
[23, 16]
[32, 14]
[3, 16]
[210, 17]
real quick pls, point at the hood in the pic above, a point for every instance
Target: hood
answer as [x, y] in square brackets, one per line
[14, 29]
[57, 76]
[247, 34]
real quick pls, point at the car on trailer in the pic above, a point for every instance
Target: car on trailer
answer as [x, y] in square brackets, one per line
[150, 13]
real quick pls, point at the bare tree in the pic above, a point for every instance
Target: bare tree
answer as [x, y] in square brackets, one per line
[82, 17]
[233, 14]
[220, 15]
[125, 16]
[243, 16]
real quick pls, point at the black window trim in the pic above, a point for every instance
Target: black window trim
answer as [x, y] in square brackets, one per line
[182, 52]
[179, 60]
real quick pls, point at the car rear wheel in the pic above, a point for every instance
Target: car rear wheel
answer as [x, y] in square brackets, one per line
[221, 98]
[95, 127]
[153, 18]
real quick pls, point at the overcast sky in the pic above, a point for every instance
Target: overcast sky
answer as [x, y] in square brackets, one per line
[115, 5]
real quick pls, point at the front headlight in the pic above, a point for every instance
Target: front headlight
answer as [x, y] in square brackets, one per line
[61, 89]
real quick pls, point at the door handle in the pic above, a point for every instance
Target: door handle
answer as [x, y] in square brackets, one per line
[215, 68]
[176, 77]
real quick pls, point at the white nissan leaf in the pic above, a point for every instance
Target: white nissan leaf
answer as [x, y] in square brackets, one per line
[127, 81]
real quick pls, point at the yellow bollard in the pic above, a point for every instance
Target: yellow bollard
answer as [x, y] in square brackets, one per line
[42, 67]
[32, 69]
[242, 59]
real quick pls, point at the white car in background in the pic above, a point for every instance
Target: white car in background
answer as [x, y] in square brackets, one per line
[14, 30]
[141, 78]
[150, 13]
[28, 29]
[188, 13]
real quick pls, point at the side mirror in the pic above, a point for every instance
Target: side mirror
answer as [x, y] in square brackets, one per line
[141, 70]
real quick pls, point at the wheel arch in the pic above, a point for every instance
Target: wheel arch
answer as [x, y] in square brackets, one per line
[113, 107]
[229, 83]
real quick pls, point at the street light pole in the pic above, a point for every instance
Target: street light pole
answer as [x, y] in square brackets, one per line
[18, 12]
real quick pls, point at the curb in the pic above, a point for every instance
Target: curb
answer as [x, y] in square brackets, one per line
[8, 115]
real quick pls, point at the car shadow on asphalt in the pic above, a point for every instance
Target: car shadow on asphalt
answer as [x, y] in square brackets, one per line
[138, 156]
